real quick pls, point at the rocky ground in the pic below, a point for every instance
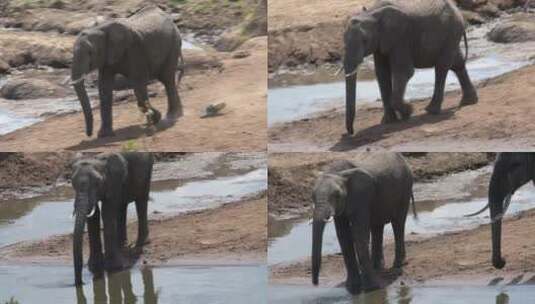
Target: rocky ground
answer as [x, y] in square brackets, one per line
[38, 36]
[467, 258]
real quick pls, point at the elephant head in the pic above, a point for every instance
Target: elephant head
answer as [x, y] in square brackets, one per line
[330, 200]
[511, 171]
[377, 30]
[95, 48]
[92, 180]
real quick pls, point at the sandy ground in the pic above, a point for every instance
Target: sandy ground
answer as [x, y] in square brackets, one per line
[292, 175]
[462, 256]
[501, 121]
[240, 83]
[208, 235]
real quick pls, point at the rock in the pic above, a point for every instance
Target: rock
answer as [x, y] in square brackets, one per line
[489, 10]
[31, 89]
[516, 30]
[472, 18]
[470, 4]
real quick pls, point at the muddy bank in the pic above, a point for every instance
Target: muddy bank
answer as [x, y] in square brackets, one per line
[291, 177]
[209, 235]
[311, 32]
[466, 259]
[500, 121]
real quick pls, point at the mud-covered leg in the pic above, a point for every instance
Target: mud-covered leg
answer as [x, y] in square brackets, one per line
[384, 78]
[153, 115]
[435, 105]
[469, 91]
[343, 232]
[377, 247]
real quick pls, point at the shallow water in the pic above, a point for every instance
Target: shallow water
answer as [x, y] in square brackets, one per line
[440, 209]
[405, 295]
[30, 219]
[185, 284]
[486, 60]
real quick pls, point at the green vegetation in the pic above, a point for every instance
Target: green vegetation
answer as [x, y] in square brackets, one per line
[129, 146]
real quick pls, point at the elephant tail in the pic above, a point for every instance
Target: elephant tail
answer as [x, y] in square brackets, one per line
[465, 47]
[181, 67]
[414, 214]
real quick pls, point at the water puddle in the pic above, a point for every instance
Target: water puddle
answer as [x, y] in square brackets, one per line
[441, 208]
[487, 60]
[189, 284]
[29, 219]
[404, 294]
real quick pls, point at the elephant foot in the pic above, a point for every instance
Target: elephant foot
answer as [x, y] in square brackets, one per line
[352, 286]
[399, 264]
[498, 262]
[433, 109]
[96, 264]
[389, 118]
[469, 99]
[105, 133]
[371, 283]
[405, 110]
[153, 117]
[142, 242]
[350, 130]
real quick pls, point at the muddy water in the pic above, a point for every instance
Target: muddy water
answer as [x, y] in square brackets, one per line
[487, 60]
[191, 284]
[405, 295]
[441, 206]
[30, 219]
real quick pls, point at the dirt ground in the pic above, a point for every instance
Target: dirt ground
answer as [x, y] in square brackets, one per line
[208, 235]
[238, 78]
[501, 121]
[463, 256]
[291, 176]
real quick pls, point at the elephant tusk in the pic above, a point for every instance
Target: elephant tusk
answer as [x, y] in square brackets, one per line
[352, 73]
[92, 212]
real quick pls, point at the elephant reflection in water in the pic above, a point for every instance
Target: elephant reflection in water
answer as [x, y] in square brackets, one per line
[119, 289]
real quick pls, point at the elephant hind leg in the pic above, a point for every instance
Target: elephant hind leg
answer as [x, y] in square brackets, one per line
[400, 78]
[469, 92]
[174, 104]
[153, 115]
[377, 247]
[399, 236]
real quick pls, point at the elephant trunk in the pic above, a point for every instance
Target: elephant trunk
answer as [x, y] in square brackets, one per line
[80, 68]
[350, 69]
[317, 239]
[497, 194]
[77, 247]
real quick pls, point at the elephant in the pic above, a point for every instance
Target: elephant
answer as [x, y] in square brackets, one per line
[115, 180]
[511, 171]
[402, 36]
[142, 47]
[362, 197]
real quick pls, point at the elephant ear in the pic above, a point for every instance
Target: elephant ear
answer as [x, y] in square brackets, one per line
[393, 25]
[358, 180]
[116, 171]
[119, 38]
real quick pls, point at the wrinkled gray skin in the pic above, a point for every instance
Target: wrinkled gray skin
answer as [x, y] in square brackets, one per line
[115, 180]
[143, 47]
[362, 198]
[402, 36]
[511, 171]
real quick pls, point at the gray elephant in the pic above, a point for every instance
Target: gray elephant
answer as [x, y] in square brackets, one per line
[115, 180]
[511, 171]
[402, 36]
[143, 47]
[362, 198]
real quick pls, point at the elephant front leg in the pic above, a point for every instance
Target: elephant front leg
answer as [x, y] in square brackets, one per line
[377, 247]
[384, 78]
[153, 116]
[121, 227]
[143, 229]
[105, 89]
[361, 236]
[435, 105]
[343, 232]
[113, 259]
[174, 105]
[96, 257]
[400, 78]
